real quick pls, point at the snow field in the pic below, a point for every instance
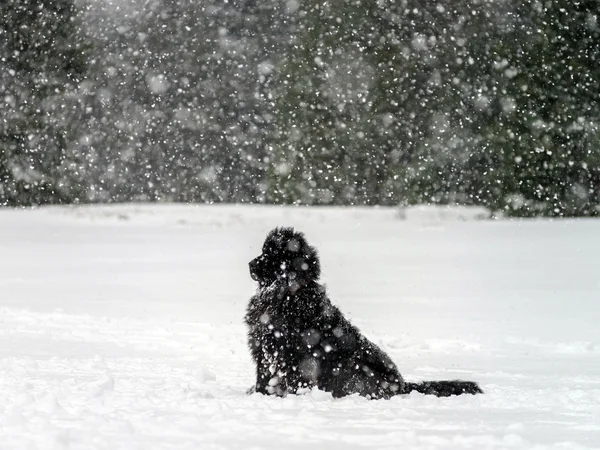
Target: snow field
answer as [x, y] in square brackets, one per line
[121, 328]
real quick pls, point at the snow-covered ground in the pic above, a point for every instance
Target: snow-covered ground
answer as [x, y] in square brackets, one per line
[121, 328]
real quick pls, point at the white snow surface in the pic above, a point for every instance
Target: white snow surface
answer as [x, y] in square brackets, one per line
[121, 328]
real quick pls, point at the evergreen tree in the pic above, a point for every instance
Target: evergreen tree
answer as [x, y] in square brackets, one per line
[376, 100]
[41, 62]
[468, 101]
[187, 113]
[550, 135]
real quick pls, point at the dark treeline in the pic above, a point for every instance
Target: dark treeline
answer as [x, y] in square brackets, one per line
[486, 102]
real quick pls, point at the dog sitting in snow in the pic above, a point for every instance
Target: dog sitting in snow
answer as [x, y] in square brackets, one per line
[299, 340]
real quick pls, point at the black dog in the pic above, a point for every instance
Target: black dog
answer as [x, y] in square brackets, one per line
[299, 340]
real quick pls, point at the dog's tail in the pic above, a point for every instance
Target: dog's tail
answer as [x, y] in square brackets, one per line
[444, 388]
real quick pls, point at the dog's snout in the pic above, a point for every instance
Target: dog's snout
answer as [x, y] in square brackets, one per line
[254, 266]
[255, 261]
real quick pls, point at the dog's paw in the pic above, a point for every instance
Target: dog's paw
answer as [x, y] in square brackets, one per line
[251, 390]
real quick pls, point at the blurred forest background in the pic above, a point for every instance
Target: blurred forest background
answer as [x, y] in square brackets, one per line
[356, 102]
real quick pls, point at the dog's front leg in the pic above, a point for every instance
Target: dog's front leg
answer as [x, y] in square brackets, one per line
[262, 379]
[269, 380]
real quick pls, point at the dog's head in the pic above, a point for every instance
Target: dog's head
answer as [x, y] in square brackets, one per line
[286, 254]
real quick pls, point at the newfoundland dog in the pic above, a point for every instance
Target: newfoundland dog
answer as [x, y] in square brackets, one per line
[299, 340]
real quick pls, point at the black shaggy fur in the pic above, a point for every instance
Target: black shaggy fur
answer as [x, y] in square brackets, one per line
[299, 340]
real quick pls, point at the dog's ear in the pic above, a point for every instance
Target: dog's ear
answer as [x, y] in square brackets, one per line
[303, 257]
[291, 255]
[310, 265]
